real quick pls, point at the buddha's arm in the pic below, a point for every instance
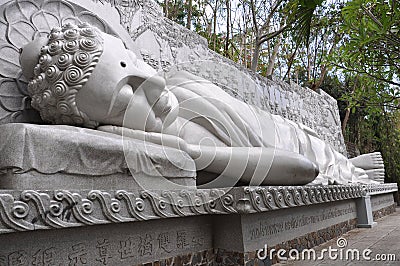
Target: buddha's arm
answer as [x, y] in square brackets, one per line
[151, 137]
[255, 165]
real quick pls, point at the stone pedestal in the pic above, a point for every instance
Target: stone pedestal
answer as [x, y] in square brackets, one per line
[364, 212]
[185, 227]
[65, 157]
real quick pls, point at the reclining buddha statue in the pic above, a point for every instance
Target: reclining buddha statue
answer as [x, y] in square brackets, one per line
[82, 77]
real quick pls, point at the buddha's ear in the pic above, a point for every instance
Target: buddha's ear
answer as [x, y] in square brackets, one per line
[29, 56]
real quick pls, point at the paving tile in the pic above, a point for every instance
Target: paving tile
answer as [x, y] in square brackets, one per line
[384, 238]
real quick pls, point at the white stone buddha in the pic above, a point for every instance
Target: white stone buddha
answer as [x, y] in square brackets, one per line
[83, 77]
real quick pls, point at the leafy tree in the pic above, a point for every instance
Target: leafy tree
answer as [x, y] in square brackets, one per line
[372, 127]
[310, 45]
[372, 42]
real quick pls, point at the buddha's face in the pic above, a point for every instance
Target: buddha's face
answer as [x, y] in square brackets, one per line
[82, 78]
[114, 83]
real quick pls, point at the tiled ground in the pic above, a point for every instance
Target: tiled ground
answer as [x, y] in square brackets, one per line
[381, 239]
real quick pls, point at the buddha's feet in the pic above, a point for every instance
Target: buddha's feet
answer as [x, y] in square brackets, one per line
[369, 161]
[376, 175]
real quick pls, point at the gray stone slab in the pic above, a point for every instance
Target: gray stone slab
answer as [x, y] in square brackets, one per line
[117, 244]
[364, 212]
[275, 227]
[381, 201]
[228, 234]
[154, 225]
[381, 239]
[65, 157]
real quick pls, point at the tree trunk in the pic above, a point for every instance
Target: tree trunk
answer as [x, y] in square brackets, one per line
[215, 27]
[228, 27]
[256, 55]
[189, 14]
[166, 8]
[345, 120]
[324, 68]
[321, 79]
[290, 64]
[308, 64]
[244, 50]
[272, 59]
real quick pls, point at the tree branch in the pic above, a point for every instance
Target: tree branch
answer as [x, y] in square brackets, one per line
[253, 14]
[367, 73]
[267, 36]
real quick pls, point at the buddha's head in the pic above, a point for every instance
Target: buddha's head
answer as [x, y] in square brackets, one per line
[81, 76]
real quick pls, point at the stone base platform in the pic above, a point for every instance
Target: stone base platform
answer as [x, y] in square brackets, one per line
[40, 156]
[186, 227]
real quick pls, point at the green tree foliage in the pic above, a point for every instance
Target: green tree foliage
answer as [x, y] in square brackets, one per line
[369, 55]
[376, 132]
[319, 38]
[372, 39]
[371, 125]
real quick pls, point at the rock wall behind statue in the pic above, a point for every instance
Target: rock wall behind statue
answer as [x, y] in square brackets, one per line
[163, 43]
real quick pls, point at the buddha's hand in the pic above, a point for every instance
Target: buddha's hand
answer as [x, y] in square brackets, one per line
[162, 101]
[152, 137]
[166, 108]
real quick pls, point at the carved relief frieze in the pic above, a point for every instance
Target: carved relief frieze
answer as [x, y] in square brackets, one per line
[33, 210]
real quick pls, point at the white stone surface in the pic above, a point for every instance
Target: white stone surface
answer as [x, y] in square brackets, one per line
[162, 43]
[276, 227]
[72, 154]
